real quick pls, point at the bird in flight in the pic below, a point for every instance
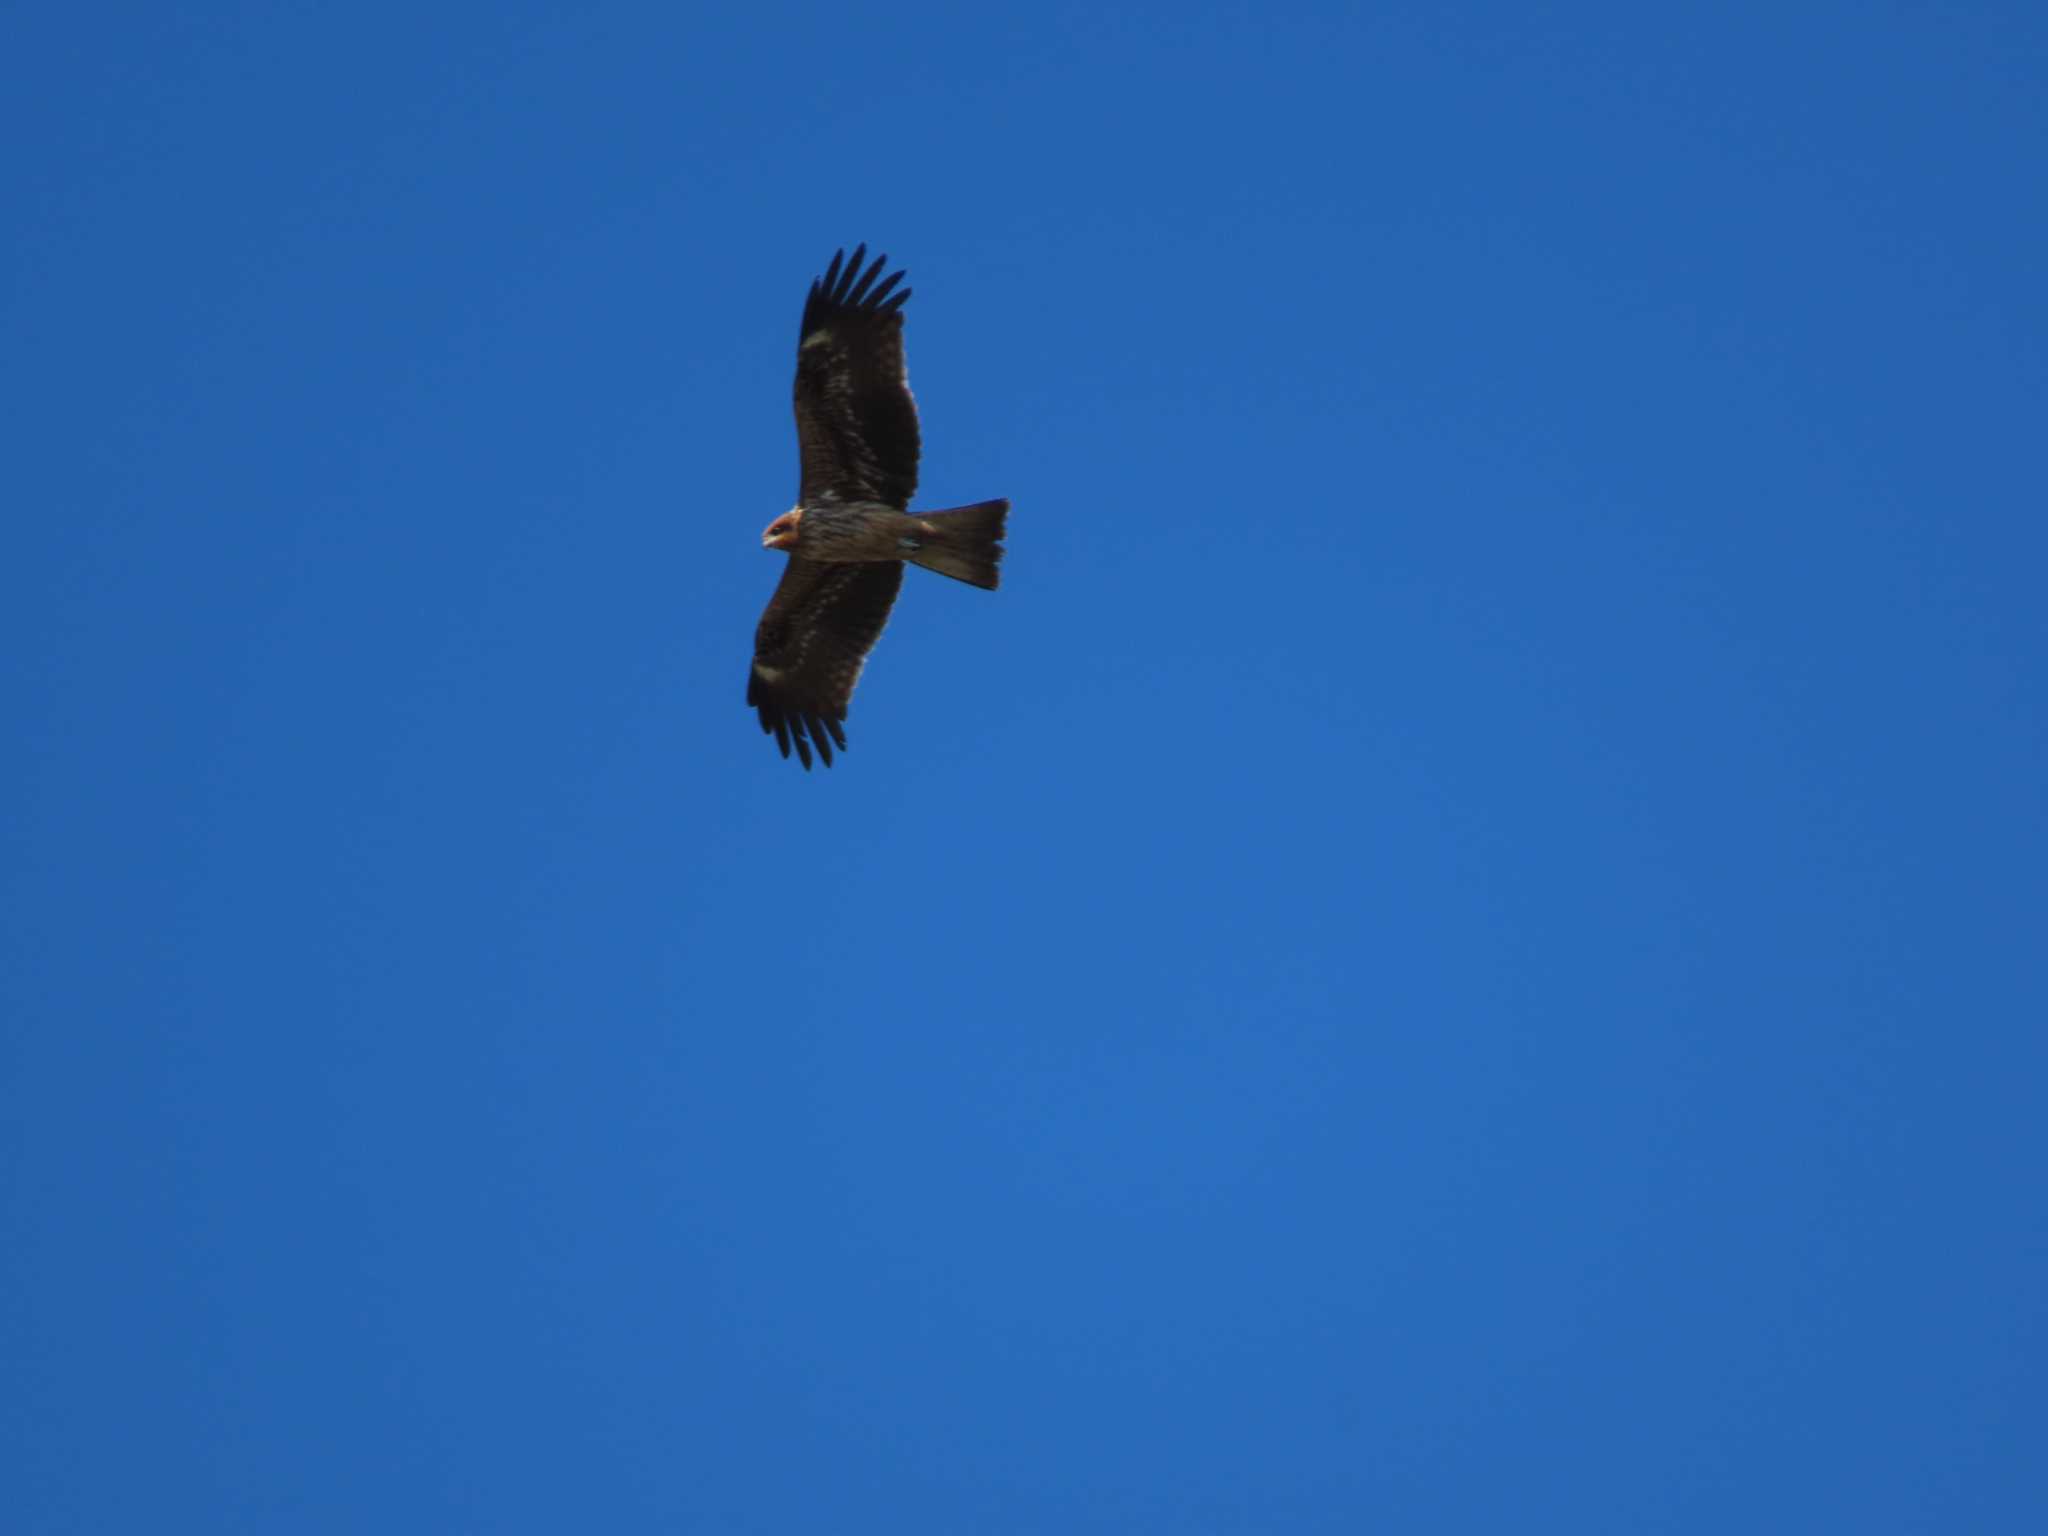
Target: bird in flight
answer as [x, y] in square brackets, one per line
[852, 529]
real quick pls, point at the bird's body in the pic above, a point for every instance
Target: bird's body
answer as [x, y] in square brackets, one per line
[961, 543]
[851, 530]
[847, 533]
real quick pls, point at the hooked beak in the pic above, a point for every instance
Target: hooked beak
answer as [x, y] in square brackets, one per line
[781, 534]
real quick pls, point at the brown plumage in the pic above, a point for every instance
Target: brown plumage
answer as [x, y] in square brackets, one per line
[851, 530]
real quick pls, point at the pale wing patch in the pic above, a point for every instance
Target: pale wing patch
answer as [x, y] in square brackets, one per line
[817, 338]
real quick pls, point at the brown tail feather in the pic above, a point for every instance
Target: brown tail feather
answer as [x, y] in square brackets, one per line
[965, 542]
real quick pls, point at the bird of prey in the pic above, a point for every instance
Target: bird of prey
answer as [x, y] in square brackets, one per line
[851, 529]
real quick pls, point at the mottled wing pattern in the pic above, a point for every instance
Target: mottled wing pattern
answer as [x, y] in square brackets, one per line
[856, 425]
[810, 646]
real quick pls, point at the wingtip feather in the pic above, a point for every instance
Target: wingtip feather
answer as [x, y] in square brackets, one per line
[850, 283]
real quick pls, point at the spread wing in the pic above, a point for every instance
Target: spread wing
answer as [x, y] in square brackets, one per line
[856, 425]
[810, 646]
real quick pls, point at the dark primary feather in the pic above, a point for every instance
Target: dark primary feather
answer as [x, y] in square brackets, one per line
[856, 425]
[818, 629]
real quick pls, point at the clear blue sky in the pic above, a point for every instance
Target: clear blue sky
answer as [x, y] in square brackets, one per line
[1461, 949]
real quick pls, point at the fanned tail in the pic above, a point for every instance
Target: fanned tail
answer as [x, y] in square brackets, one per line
[966, 543]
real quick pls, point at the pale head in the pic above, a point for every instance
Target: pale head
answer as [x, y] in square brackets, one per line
[782, 533]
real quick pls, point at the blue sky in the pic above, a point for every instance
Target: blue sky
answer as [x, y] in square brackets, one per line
[1459, 949]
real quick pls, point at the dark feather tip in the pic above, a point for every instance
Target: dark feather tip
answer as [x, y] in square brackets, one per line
[816, 727]
[850, 283]
[859, 295]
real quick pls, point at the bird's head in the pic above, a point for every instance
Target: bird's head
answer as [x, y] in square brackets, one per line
[782, 532]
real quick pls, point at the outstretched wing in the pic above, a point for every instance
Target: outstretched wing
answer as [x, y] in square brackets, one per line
[856, 425]
[810, 646]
